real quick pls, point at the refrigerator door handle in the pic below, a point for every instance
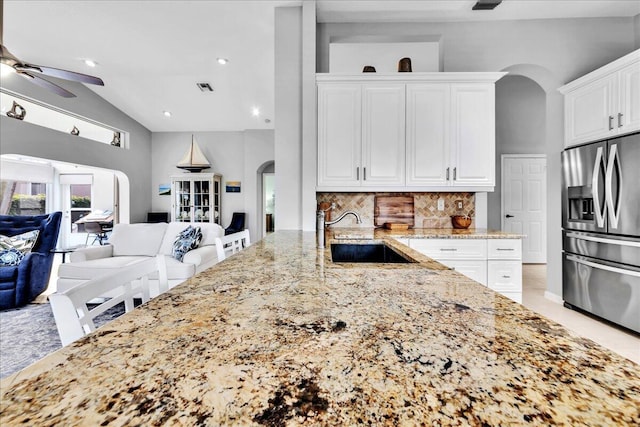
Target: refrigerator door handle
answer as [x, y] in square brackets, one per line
[596, 190]
[603, 267]
[614, 211]
[603, 240]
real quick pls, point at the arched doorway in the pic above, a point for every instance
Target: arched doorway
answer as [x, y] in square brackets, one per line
[266, 198]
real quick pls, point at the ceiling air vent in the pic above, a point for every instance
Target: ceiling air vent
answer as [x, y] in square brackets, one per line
[204, 87]
[486, 4]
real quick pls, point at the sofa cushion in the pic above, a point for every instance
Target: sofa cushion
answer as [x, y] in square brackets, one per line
[176, 270]
[14, 248]
[86, 270]
[187, 239]
[209, 233]
[137, 239]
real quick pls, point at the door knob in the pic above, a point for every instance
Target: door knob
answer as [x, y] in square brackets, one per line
[509, 216]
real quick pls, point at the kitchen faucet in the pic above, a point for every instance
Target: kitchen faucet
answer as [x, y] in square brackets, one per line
[321, 223]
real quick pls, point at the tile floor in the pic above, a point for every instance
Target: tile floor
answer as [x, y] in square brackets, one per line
[534, 283]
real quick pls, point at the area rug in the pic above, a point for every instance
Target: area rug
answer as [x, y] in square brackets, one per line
[27, 334]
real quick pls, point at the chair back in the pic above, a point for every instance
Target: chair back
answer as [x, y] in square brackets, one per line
[237, 223]
[231, 244]
[74, 319]
[48, 225]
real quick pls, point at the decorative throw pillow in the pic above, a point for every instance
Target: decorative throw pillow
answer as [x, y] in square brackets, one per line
[187, 239]
[14, 248]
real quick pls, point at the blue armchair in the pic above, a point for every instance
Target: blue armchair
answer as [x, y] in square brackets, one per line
[21, 284]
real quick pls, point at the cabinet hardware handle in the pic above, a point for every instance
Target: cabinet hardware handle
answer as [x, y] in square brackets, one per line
[455, 170]
[505, 249]
[358, 173]
[447, 174]
[610, 122]
[620, 119]
[506, 277]
[509, 216]
[448, 249]
[364, 173]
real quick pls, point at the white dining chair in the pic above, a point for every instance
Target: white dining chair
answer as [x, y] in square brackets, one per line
[74, 319]
[231, 244]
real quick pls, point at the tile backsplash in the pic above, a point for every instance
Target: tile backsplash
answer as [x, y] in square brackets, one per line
[426, 213]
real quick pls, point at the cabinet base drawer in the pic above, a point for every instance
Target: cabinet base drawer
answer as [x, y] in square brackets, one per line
[504, 249]
[440, 249]
[505, 276]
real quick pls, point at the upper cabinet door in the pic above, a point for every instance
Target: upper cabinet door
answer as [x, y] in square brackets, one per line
[473, 134]
[339, 134]
[383, 134]
[628, 116]
[428, 112]
[589, 111]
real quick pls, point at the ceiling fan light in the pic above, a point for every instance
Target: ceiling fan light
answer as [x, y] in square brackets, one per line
[6, 70]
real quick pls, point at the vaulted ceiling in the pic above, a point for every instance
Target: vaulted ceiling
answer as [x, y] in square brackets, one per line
[151, 53]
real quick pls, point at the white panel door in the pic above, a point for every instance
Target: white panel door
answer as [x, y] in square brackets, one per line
[383, 127]
[524, 196]
[588, 111]
[339, 134]
[428, 112]
[628, 117]
[473, 134]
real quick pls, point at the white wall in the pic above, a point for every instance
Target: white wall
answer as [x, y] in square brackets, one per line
[636, 28]
[234, 155]
[288, 117]
[22, 138]
[520, 129]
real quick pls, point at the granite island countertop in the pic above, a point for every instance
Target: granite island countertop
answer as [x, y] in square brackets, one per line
[280, 335]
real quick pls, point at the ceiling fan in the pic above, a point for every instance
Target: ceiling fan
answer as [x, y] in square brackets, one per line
[32, 72]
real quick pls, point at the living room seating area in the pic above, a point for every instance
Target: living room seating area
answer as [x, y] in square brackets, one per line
[27, 260]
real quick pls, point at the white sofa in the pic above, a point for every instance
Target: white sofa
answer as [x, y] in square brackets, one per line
[132, 243]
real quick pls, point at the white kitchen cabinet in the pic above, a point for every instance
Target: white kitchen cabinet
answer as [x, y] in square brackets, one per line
[467, 256]
[428, 145]
[339, 134]
[196, 197]
[496, 263]
[604, 103]
[504, 267]
[473, 135]
[361, 135]
[418, 132]
[383, 134]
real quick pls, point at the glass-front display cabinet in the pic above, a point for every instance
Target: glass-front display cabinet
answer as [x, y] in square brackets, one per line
[196, 197]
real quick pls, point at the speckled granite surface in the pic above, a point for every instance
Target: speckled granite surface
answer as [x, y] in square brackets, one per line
[421, 233]
[280, 335]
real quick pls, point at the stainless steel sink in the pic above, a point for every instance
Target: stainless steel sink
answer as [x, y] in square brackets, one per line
[369, 252]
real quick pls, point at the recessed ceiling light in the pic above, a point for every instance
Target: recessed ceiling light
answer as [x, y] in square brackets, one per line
[222, 61]
[167, 113]
[90, 63]
[255, 111]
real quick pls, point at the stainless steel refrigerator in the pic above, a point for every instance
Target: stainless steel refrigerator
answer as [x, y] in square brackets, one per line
[601, 229]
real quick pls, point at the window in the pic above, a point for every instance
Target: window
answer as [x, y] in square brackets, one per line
[51, 117]
[23, 198]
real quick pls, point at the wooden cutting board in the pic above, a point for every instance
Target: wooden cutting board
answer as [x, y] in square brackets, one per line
[393, 209]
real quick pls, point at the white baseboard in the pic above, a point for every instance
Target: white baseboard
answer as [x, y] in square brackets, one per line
[553, 297]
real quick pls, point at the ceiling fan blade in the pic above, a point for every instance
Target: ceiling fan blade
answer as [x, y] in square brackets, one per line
[61, 74]
[46, 84]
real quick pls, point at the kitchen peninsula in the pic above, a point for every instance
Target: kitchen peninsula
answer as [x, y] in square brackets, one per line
[279, 334]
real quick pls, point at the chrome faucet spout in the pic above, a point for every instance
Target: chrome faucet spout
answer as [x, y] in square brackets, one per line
[321, 224]
[341, 217]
